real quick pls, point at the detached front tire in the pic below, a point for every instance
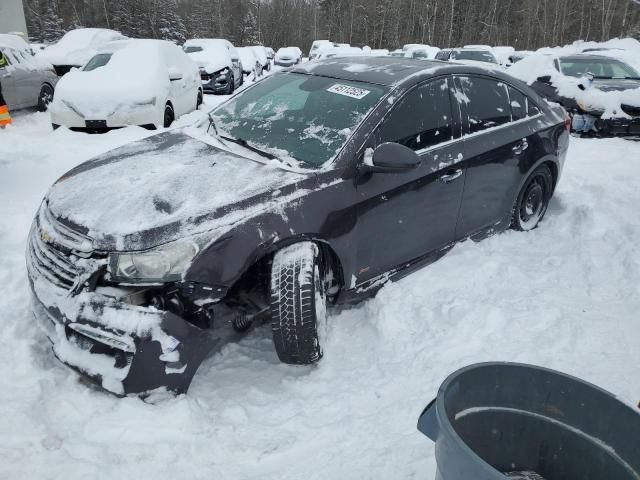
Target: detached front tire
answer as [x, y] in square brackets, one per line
[298, 303]
[533, 200]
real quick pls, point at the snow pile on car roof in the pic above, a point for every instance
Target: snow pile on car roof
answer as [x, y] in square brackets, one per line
[214, 55]
[77, 46]
[135, 76]
[583, 90]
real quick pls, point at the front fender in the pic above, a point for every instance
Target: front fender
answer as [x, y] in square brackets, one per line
[325, 214]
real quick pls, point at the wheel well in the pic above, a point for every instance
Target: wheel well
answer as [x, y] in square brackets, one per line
[253, 286]
[554, 172]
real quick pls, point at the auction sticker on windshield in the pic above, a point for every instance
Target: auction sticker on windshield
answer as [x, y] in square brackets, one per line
[348, 91]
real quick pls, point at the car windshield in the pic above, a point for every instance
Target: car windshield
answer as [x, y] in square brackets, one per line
[99, 60]
[603, 68]
[192, 49]
[477, 55]
[306, 118]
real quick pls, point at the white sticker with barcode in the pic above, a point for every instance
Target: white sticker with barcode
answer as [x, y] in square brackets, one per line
[348, 91]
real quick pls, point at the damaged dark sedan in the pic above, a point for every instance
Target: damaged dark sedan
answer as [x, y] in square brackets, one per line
[313, 187]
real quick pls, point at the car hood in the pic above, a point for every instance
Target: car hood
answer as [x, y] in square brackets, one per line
[615, 84]
[163, 188]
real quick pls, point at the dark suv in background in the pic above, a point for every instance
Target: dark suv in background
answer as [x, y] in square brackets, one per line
[312, 187]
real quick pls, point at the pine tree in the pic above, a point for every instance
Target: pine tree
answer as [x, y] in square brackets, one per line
[52, 26]
[168, 25]
[250, 33]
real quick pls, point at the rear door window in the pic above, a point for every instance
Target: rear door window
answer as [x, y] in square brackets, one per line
[486, 103]
[518, 103]
[422, 119]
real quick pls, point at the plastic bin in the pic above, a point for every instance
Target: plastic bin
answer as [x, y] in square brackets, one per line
[492, 421]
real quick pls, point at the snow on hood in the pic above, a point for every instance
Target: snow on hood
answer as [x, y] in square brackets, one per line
[169, 182]
[77, 46]
[606, 96]
[136, 75]
[211, 61]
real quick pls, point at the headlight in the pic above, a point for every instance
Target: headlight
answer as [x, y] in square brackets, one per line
[583, 106]
[162, 264]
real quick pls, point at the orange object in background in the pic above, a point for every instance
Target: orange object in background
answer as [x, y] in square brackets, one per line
[5, 118]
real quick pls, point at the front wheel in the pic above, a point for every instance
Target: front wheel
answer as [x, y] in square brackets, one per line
[231, 85]
[533, 200]
[298, 303]
[169, 116]
[199, 99]
[45, 97]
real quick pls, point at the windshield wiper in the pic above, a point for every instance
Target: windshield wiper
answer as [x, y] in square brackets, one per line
[212, 123]
[242, 142]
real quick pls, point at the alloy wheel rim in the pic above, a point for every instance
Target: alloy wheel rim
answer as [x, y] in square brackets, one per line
[532, 205]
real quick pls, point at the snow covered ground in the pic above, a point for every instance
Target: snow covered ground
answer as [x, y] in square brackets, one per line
[565, 296]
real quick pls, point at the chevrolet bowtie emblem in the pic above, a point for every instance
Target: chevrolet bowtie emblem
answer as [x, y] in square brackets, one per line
[44, 235]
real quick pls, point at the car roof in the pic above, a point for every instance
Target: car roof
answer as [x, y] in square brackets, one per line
[389, 71]
[585, 56]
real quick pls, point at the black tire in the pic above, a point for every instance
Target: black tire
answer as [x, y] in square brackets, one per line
[169, 116]
[45, 97]
[298, 304]
[199, 99]
[533, 200]
[241, 82]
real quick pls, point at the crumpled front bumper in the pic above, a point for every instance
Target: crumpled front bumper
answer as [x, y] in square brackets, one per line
[125, 349]
[618, 126]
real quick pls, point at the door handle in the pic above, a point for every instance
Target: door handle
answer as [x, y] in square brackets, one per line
[520, 147]
[451, 175]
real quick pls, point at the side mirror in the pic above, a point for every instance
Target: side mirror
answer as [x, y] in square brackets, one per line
[175, 74]
[390, 158]
[544, 79]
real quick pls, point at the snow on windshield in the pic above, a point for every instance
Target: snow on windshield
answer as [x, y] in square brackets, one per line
[297, 117]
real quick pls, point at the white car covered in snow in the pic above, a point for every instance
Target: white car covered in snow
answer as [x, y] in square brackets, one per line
[288, 56]
[262, 55]
[249, 61]
[339, 52]
[77, 47]
[318, 44]
[131, 82]
[219, 64]
[424, 52]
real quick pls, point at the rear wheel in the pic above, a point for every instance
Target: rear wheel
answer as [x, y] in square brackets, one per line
[298, 303]
[199, 99]
[45, 97]
[169, 116]
[533, 200]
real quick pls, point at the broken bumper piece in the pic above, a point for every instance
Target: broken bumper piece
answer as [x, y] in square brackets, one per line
[125, 349]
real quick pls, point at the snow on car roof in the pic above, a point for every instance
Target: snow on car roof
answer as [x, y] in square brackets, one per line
[386, 71]
[77, 46]
[13, 41]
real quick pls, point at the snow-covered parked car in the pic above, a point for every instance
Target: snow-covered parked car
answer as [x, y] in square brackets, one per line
[287, 200]
[601, 93]
[338, 52]
[287, 56]
[219, 64]
[263, 56]
[77, 47]
[249, 61]
[27, 81]
[130, 82]
[317, 44]
[465, 54]
[421, 52]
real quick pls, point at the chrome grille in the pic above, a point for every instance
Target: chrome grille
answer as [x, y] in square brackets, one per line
[53, 250]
